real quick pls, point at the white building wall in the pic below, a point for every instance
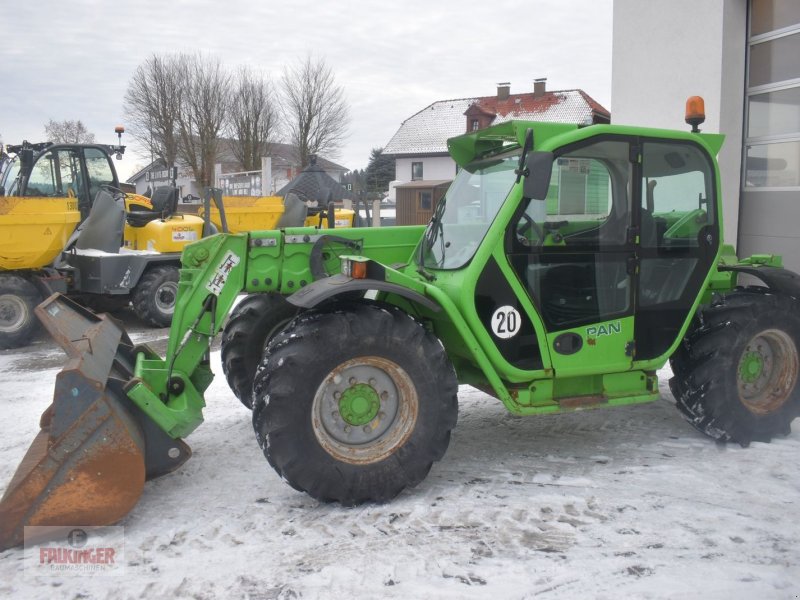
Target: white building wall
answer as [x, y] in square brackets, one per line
[433, 167]
[667, 50]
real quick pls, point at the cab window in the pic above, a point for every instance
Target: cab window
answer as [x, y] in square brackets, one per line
[677, 189]
[56, 173]
[99, 170]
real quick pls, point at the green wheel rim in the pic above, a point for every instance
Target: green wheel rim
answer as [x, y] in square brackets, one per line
[767, 372]
[364, 410]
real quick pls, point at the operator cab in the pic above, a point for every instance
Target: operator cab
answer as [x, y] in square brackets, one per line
[611, 238]
[58, 170]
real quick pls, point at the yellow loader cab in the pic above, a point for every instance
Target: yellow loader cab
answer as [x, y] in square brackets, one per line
[154, 223]
[46, 191]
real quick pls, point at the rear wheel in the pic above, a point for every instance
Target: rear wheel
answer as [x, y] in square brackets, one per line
[251, 326]
[155, 294]
[18, 322]
[354, 404]
[736, 373]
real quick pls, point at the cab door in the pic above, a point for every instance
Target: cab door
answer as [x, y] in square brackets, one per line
[575, 254]
[678, 242]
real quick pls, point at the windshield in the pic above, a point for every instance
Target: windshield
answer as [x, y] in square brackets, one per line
[8, 178]
[464, 215]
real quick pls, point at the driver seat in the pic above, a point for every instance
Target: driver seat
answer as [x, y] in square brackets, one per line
[165, 204]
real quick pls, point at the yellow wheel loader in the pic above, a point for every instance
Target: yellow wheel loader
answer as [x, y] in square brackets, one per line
[65, 227]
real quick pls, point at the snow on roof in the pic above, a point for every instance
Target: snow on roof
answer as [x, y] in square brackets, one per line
[427, 131]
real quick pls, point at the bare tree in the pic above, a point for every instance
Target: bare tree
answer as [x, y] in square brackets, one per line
[252, 118]
[152, 104]
[68, 132]
[314, 107]
[204, 104]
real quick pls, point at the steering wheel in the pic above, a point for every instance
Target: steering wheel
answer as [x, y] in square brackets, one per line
[527, 227]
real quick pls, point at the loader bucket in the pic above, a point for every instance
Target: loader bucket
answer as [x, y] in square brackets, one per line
[88, 464]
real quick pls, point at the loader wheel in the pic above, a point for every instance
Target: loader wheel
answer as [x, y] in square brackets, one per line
[251, 326]
[354, 404]
[155, 294]
[736, 373]
[18, 322]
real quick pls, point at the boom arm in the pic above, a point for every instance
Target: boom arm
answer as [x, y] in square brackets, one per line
[170, 390]
[214, 271]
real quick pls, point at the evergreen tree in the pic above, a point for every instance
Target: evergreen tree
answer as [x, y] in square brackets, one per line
[380, 171]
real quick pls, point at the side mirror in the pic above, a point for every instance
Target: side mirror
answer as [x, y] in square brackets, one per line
[538, 170]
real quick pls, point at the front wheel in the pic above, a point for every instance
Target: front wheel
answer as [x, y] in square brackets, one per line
[18, 322]
[354, 404]
[155, 295]
[736, 373]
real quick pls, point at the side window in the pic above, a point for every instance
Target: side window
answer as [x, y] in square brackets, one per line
[99, 169]
[416, 171]
[572, 248]
[677, 190]
[588, 200]
[56, 173]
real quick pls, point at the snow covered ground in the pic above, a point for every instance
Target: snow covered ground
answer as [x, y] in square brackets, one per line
[623, 503]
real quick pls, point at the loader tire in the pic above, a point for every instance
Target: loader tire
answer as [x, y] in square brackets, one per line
[155, 294]
[736, 372]
[354, 403]
[251, 326]
[18, 322]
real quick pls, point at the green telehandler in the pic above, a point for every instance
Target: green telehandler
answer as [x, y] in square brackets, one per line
[562, 269]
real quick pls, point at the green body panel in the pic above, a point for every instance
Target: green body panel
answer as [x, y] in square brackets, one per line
[603, 372]
[214, 271]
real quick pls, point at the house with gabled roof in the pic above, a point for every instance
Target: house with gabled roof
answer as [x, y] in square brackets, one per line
[420, 144]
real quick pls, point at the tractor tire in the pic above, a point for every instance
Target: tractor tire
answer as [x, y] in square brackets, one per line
[736, 372]
[18, 322]
[154, 296]
[252, 324]
[354, 403]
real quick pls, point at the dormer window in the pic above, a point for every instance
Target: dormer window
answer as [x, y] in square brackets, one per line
[475, 125]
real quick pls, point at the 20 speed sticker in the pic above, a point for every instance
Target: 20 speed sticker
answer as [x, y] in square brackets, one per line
[506, 322]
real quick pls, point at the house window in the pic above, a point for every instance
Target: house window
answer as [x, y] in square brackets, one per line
[475, 125]
[416, 171]
[426, 200]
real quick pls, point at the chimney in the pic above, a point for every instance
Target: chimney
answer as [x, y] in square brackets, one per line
[503, 90]
[539, 86]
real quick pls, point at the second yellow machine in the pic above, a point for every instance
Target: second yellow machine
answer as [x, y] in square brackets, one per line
[66, 227]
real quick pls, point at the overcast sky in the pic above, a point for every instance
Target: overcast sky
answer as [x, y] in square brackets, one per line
[73, 59]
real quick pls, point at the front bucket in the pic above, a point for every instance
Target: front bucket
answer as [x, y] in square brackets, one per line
[88, 464]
